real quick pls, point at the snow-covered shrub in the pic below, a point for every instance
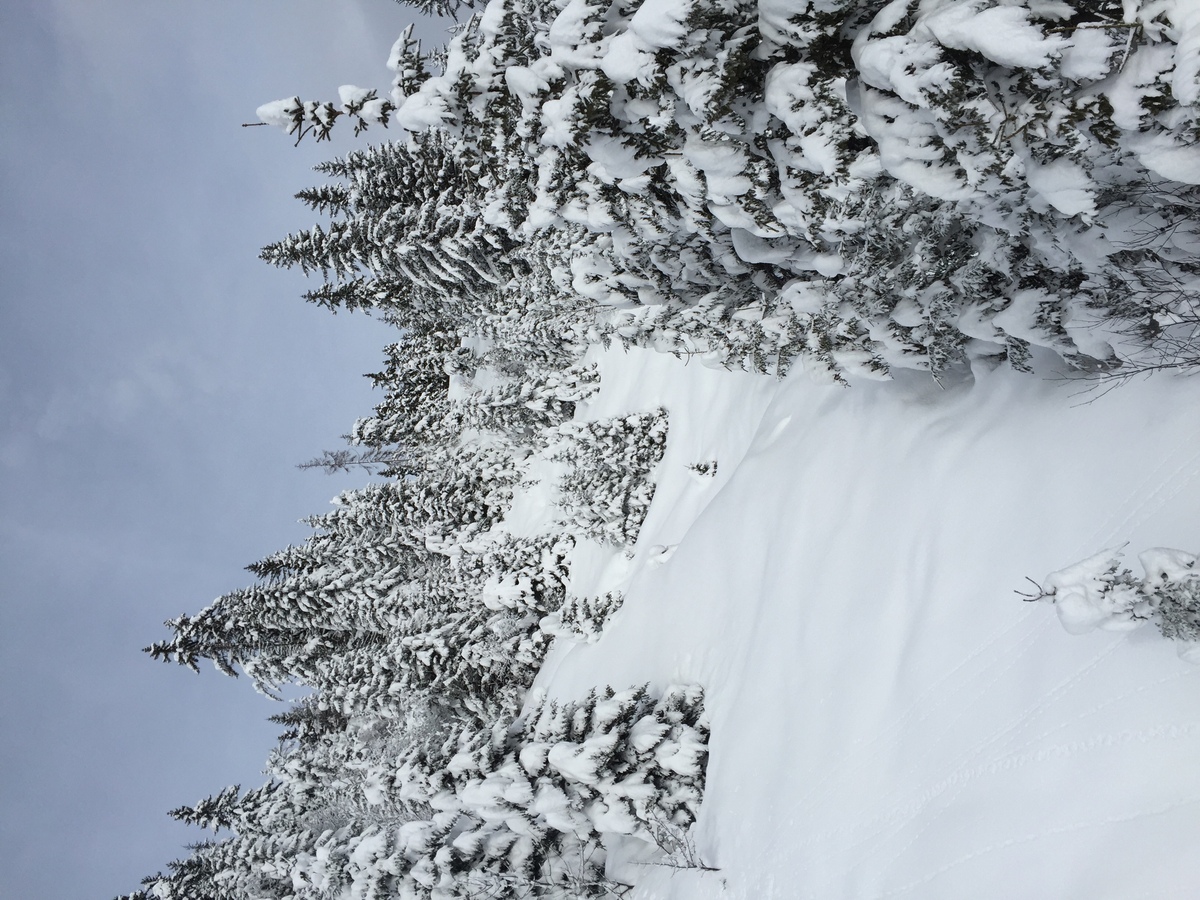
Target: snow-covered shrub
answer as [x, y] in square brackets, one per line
[1179, 609]
[1099, 593]
[606, 491]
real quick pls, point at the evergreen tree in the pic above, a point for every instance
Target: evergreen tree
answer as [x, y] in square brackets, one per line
[607, 489]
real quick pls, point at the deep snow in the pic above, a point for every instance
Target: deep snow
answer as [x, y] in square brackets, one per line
[888, 718]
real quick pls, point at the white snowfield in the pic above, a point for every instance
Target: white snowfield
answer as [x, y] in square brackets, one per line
[888, 718]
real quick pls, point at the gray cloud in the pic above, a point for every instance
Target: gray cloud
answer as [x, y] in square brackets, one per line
[157, 385]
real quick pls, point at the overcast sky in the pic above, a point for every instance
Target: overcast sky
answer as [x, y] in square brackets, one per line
[158, 384]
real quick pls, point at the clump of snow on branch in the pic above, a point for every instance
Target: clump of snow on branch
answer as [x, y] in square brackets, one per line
[302, 118]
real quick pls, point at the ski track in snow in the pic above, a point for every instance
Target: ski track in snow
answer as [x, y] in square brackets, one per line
[889, 719]
[960, 776]
[1144, 510]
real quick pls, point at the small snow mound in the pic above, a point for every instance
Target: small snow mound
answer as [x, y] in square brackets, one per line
[660, 553]
[1190, 652]
[1064, 185]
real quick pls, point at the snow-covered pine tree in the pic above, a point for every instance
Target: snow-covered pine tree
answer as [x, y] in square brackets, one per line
[492, 331]
[342, 594]
[469, 639]
[411, 212]
[607, 488]
[1099, 592]
[255, 862]
[534, 795]
[520, 806]
[858, 186]
[416, 403]
[294, 837]
[583, 618]
[526, 405]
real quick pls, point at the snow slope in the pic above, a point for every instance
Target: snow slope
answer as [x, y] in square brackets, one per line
[888, 719]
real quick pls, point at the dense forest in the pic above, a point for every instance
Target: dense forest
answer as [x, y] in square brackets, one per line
[849, 188]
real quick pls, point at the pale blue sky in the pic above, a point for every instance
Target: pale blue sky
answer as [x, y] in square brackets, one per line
[158, 384]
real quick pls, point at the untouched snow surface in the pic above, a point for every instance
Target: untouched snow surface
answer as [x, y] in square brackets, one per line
[888, 718]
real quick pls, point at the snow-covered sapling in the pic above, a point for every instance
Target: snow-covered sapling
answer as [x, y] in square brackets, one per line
[1099, 592]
